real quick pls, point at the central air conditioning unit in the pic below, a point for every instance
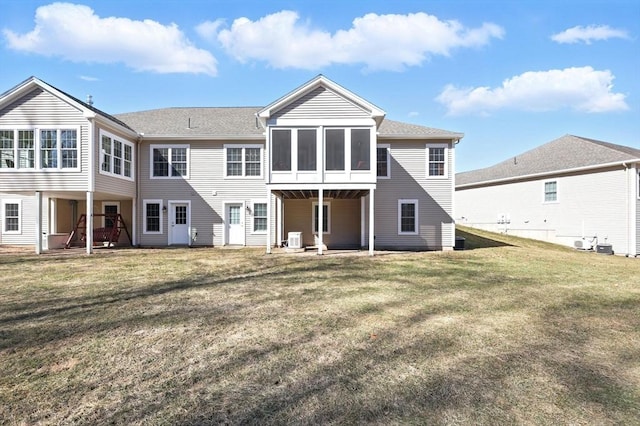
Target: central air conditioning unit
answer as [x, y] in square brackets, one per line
[294, 240]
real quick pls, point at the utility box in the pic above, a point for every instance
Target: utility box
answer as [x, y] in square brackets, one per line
[604, 249]
[294, 240]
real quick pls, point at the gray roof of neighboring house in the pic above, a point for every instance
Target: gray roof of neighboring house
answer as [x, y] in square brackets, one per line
[565, 153]
[241, 122]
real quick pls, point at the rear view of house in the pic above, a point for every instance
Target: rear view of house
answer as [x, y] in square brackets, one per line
[573, 191]
[319, 167]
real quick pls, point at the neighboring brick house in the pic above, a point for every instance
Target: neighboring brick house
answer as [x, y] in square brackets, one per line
[246, 176]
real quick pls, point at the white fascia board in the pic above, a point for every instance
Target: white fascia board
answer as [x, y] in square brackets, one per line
[177, 138]
[545, 174]
[315, 186]
[453, 137]
[105, 122]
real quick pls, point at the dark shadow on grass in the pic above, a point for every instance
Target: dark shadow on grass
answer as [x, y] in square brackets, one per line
[474, 241]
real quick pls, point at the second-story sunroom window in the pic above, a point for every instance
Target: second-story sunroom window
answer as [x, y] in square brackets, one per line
[281, 150]
[334, 145]
[360, 149]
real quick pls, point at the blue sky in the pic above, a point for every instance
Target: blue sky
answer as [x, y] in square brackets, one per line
[510, 75]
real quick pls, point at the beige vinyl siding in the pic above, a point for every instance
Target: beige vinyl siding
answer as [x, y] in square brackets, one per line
[589, 204]
[112, 184]
[206, 178]
[408, 164]
[125, 210]
[345, 222]
[321, 103]
[27, 235]
[42, 109]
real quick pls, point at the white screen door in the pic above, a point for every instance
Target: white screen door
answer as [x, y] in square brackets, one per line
[235, 225]
[179, 223]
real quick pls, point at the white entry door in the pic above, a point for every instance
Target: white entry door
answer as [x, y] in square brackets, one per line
[235, 224]
[179, 223]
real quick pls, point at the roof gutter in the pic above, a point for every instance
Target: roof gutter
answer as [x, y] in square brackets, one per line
[202, 137]
[451, 136]
[552, 172]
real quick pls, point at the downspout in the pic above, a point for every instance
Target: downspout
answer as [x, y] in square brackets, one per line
[91, 184]
[628, 195]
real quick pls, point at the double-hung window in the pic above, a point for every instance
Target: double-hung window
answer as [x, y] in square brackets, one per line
[383, 168]
[169, 161]
[117, 156]
[243, 160]
[259, 218]
[550, 191]
[436, 161]
[407, 217]
[152, 210]
[11, 216]
[42, 149]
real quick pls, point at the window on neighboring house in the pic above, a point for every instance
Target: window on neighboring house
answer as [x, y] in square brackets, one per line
[243, 160]
[170, 161]
[334, 146]
[437, 161]
[281, 150]
[326, 218]
[152, 216]
[7, 160]
[11, 216]
[26, 149]
[259, 217]
[117, 156]
[360, 149]
[550, 191]
[383, 168]
[407, 217]
[307, 149]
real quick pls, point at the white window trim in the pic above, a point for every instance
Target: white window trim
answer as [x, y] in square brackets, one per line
[446, 160]
[170, 147]
[313, 217]
[388, 148]
[416, 220]
[38, 149]
[4, 219]
[253, 212]
[124, 142]
[144, 216]
[244, 164]
[109, 203]
[544, 192]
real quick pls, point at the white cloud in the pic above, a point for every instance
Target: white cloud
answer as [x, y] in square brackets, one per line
[588, 34]
[380, 42]
[88, 78]
[76, 33]
[581, 89]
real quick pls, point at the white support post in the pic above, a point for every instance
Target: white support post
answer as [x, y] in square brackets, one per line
[363, 218]
[134, 222]
[279, 221]
[371, 221]
[89, 223]
[38, 235]
[269, 213]
[320, 220]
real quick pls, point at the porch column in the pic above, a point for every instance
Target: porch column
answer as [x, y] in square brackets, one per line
[134, 222]
[269, 221]
[89, 223]
[38, 197]
[371, 221]
[279, 222]
[363, 217]
[320, 220]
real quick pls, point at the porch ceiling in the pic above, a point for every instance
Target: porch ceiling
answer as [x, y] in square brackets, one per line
[305, 194]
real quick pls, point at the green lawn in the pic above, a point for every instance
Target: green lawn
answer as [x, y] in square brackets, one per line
[509, 332]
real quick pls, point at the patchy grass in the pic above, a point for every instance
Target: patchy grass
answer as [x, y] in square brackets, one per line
[514, 331]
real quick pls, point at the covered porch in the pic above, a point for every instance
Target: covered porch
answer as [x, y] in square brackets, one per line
[345, 220]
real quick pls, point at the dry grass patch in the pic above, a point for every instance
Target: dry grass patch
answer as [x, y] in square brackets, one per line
[512, 331]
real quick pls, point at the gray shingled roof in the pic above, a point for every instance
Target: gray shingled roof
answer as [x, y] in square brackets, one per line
[567, 152]
[239, 122]
[185, 122]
